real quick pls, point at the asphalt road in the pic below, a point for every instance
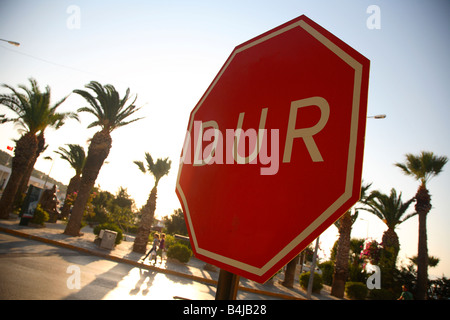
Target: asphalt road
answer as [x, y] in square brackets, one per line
[34, 270]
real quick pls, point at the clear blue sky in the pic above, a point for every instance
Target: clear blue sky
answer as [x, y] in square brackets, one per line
[168, 52]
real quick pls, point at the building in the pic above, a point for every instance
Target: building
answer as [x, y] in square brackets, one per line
[5, 172]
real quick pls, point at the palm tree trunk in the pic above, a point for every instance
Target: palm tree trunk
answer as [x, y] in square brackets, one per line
[289, 275]
[74, 186]
[388, 258]
[390, 239]
[423, 206]
[97, 153]
[341, 268]
[25, 150]
[27, 174]
[148, 213]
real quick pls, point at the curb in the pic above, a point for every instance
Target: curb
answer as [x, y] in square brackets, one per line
[141, 265]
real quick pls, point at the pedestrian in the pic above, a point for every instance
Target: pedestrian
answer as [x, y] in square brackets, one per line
[152, 251]
[161, 248]
[406, 295]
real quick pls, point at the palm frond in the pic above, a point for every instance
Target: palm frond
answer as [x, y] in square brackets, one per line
[158, 169]
[424, 166]
[404, 168]
[76, 156]
[96, 110]
[107, 106]
[140, 165]
[389, 208]
[33, 108]
[149, 160]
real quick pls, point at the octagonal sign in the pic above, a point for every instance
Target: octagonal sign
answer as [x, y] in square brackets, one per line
[274, 149]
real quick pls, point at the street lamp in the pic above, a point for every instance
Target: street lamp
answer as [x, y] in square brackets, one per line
[367, 230]
[48, 175]
[378, 116]
[11, 42]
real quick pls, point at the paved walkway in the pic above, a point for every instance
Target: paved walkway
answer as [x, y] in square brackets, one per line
[52, 233]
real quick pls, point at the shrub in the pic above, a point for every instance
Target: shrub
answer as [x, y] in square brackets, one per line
[327, 268]
[371, 252]
[40, 216]
[356, 290]
[112, 227]
[317, 283]
[180, 252]
[170, 241]
[356, 273]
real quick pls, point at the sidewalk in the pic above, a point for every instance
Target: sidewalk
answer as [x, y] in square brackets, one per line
[52, 233]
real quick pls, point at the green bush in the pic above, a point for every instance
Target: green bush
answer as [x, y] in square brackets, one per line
[317, 283]
[356, 290]
[180, 252]
[40, 216]
[356, 273]
[327, 268]
[112, 227]
[170, 240]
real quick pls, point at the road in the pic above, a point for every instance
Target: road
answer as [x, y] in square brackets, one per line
[34, 270]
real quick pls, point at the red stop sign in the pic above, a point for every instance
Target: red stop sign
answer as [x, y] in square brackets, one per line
[274, 149]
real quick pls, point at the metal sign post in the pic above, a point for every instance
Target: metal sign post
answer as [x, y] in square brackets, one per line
[227, 285]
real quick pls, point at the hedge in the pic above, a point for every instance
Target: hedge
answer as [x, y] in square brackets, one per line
[356, 290]
[317, 283]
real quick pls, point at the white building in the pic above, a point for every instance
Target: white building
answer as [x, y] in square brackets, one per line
[5, 173]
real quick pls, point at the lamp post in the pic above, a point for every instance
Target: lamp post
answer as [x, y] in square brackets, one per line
[378, 116]
[312, 270]
[14, 43]
[51, 167]
[367, 229]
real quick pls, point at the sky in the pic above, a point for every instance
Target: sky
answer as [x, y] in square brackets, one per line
[168, 52]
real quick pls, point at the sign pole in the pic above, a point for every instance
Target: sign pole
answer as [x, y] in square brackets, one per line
[227, 285]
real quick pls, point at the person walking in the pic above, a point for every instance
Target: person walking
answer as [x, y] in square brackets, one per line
[152, 252]
[162, 247]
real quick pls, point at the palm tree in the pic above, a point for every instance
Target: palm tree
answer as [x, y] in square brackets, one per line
[341, 266]
[158, 170]
[76, 157]
[41, 146]
[33, 115]
[344, 225]
[391, 210]
[110, 112]
[422, 167]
